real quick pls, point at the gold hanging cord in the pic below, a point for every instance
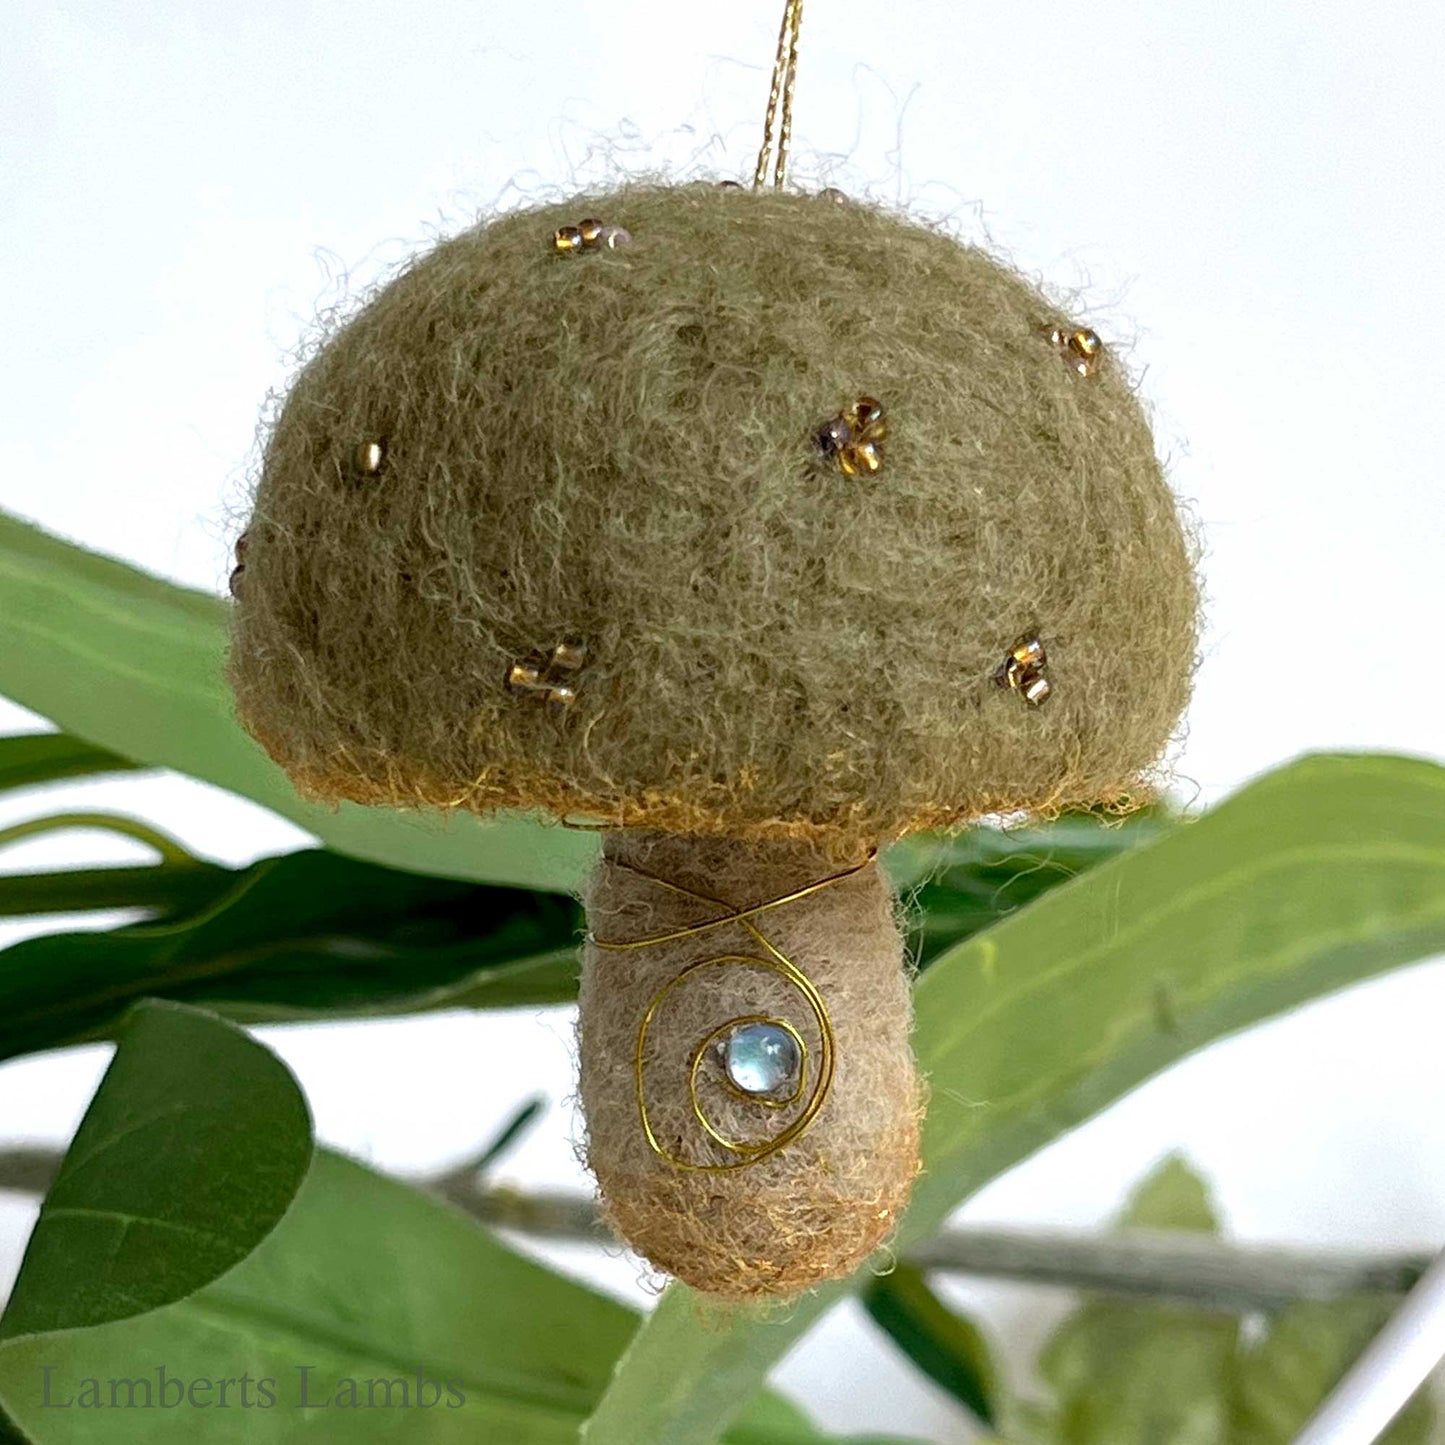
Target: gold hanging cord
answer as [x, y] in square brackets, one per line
[785, 74]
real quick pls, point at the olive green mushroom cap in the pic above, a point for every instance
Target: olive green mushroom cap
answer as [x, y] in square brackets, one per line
[553, 529]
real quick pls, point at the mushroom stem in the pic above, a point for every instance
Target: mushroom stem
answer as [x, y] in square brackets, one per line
[751, 1102]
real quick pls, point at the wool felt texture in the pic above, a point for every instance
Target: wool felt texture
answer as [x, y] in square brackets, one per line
[617, 446]
[819, 1206]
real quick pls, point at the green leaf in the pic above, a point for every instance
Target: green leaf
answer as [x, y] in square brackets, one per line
[1125, 1373]
[957, 886]
[364, 1280]
[30, 759]
[157, 888]
[948, 1348]
[305, 936]
[508, 1135]
[319, 935]
[192, 1149]
[1171, 1196]
[1283, 1378]
[1320, 874]
[134, 664]
[179, 879]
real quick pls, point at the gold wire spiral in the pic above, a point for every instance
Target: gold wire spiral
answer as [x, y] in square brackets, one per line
[776, 963]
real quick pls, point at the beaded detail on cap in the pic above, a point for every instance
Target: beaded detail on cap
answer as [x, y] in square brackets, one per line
[550, 678]
[1081, 347]
[589, 235]
[1023, 672]
[854, 438]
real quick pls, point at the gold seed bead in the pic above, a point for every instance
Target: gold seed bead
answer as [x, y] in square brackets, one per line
[867, 414]
[589, 230]
[854, 438]
[1081, 347]
[368, 457]
[833, 436]
[1023, 672]
[524, 677]
[567, 239]
[569, 655]
[866, 456]
[548, 677]
[1030, 653]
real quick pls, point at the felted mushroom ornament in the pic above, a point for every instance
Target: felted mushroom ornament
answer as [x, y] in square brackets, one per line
[760, 528]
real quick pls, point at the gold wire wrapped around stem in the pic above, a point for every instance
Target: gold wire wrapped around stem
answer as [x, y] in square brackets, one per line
[777, 963]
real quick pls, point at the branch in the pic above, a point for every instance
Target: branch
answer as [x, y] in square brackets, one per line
[1196, 1269]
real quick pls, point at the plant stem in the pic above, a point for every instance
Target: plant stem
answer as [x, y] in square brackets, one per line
[1195, 1269]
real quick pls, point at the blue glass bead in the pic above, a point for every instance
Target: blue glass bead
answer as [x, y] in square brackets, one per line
[761, 1058]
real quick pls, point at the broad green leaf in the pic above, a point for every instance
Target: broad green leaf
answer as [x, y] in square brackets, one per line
[1285, 1376]
[30, 759]
[1126, 1373]
[948, 1348]
[304, 936]
[134, 664]
[365, 1280]
[192, 1149]
[1320, 874]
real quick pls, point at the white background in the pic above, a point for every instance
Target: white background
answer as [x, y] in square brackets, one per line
[1247, 199]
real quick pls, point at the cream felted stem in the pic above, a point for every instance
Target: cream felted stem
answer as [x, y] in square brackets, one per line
[816, 1208]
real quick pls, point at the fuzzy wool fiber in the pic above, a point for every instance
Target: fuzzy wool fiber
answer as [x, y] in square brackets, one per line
[818, 1207]
[617, 446]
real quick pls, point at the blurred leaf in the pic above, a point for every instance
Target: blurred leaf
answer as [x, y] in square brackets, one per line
[192, 1149]
[30, 759]
[364, 1280]
[1284, 1377]
[177, 881]
[315, 934]
[950, 1349]
[1322, 873]
[1129, 1374]
[962, 884]
[161, 887]
[304, 936]
[132, 663]
[1171, 1196]
[1125, 1373]
[508, 1134]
